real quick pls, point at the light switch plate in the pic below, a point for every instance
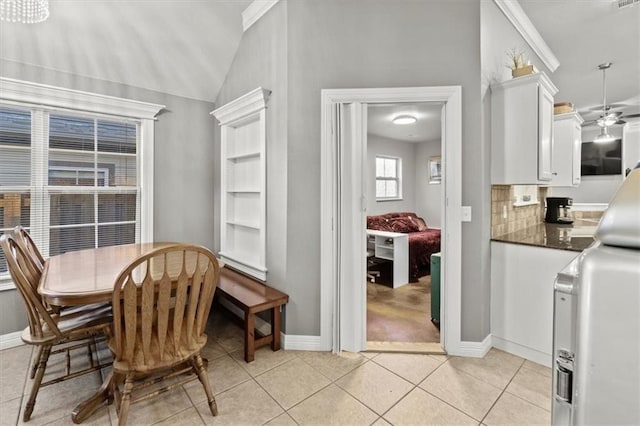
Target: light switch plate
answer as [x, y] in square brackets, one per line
[466, 213]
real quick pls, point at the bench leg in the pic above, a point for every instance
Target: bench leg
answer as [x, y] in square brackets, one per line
[249, 337]
[275, 328]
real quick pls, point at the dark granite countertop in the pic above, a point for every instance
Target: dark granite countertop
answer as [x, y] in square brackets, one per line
[575, 237]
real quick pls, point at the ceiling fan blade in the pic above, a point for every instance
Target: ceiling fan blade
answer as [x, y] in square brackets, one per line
[619, 122]
[630, 115]
[590, 123]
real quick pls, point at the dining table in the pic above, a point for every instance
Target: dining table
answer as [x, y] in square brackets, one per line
[84, 277]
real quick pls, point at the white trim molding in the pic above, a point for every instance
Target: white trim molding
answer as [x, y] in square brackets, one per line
[11, 340]
[332, 269]
[476, 349]
[521, 22]
[301, 343]
[44, 95]
[522, 351]
[255, 11]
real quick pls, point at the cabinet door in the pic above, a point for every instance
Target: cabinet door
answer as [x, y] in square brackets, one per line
[545, 134]
[577, 153]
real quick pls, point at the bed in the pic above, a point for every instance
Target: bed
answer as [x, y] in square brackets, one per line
[423, 241]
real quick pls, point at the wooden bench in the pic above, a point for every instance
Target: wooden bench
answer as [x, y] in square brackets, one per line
[253, 297]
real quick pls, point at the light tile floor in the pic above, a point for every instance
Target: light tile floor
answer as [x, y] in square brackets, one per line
[309, 388]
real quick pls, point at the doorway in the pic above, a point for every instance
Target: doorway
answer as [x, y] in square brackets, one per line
[343, 200]
[403, 146]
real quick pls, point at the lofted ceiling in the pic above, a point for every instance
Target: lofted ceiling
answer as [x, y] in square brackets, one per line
[182, 47]
[583, 34]
[185, 47]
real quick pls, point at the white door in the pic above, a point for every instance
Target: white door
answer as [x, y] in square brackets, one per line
[351, 300]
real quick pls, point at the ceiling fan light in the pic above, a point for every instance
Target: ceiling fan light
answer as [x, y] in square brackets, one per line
[604, 137]
[404, 119]
[607, 121]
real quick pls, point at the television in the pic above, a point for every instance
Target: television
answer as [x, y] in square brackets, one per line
[603, 158]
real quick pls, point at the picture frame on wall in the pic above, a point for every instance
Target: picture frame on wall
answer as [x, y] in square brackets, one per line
[435, 170]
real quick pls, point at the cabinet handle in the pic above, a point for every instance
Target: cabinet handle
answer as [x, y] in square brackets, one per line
[555, 173]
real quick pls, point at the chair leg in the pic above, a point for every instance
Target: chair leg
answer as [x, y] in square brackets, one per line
[42, 366]
[36, 361]
[126, 401]
[198, 365]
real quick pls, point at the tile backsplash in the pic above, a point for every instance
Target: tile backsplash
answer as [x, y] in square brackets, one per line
[517, 218]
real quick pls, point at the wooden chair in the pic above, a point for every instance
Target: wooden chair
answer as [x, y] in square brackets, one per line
[52, 332]
[161, 303]
[25, 239]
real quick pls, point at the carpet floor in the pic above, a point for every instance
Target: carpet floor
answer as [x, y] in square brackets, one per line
[402, 314]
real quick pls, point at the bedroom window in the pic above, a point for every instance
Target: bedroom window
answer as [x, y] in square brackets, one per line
[388, 178]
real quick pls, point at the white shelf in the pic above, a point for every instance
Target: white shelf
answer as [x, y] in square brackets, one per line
[245, 156]
[248, 225]
[243, 183]
[243, 191]
[393, 246]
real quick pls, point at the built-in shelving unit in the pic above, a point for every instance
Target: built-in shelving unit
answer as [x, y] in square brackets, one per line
[243, 182]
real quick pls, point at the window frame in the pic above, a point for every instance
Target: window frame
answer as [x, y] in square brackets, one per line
[397, 179]
[43, 99]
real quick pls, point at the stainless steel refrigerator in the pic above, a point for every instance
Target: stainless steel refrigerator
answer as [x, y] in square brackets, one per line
[596, 336]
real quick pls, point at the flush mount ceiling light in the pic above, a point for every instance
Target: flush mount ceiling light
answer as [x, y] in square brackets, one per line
[404, 119]
[604, 136]
[24, 11]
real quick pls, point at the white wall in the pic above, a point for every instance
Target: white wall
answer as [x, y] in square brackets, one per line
[600, 189]
[428, 196]
[377, 145]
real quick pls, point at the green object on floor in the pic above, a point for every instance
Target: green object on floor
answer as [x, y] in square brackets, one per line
[435, 287]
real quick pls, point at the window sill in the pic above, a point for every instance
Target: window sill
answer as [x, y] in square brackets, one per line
[389, 199]
[6, 283]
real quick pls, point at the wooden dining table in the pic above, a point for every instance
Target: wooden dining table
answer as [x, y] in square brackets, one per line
[84, 277]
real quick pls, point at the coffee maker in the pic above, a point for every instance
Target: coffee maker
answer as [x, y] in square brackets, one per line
[558, 210]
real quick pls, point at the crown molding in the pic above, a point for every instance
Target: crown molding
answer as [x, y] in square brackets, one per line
[521, 22]
[58, 97]
[243, 106]
[254, 12]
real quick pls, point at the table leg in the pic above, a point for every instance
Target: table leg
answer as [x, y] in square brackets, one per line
[87, 407]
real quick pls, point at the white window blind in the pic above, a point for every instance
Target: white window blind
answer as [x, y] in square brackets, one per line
[388, 178]
[70, 179]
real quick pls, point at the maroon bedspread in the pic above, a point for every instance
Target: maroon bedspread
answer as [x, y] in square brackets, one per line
[422, 243]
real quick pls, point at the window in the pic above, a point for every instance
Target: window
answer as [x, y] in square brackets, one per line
[73, 178]
[388, 178]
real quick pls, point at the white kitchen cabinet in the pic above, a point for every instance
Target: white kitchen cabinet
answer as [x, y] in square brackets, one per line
[567, 145]
[243, 182]
[522, 130]
[522, 279]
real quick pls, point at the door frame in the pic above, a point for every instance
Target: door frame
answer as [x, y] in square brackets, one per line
[332, 317]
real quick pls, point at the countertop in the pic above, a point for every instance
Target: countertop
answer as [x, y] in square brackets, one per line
[575, 237]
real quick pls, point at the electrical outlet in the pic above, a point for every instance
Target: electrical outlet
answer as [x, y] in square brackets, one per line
[504, 212]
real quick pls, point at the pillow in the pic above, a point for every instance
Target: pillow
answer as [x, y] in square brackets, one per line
[420, 223]
[403, 224]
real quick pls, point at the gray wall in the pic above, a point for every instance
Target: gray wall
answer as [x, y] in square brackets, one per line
[377, 145]
[261, 60]
[428, 196]
[340, 44]
[184, 151]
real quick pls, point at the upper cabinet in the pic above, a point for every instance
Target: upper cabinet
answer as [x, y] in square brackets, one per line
[522, 130]
[567, 145]
[243, 182]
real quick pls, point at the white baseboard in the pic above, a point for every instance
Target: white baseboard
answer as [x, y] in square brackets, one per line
[294, 342]
[522, 351]
[10, 340]
[473, 349]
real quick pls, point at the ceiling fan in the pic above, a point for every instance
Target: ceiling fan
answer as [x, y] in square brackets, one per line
[607, 116]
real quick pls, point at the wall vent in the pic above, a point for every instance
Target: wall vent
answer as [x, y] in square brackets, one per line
[626, 3]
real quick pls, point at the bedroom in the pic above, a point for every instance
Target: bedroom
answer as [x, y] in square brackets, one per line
[403, 161]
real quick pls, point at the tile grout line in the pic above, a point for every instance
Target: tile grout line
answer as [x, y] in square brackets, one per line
[501, 393]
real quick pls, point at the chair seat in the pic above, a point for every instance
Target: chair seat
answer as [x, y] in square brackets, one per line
[154, 360]
[72, 323]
